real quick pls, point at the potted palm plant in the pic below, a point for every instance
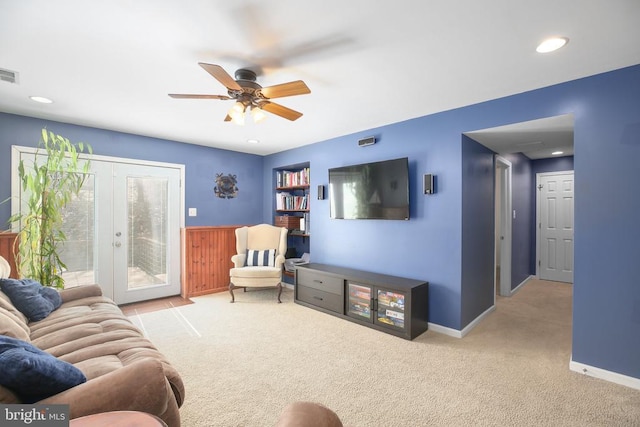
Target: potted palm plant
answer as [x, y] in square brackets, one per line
[48, 185]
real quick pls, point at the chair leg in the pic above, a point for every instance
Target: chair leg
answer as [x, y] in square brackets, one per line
[231, 288]
[279, 292]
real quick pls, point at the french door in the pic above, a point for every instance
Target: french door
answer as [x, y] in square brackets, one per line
[123, 230]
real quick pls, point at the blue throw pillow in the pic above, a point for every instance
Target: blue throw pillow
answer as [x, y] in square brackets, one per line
[31, 298]
[33, 374]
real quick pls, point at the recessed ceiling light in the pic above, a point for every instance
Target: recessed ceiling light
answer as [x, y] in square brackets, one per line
[551, 44]
[41, 99]
[557, 153]
[253, 141]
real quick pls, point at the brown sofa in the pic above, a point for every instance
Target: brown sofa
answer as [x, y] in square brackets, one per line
[124, 370]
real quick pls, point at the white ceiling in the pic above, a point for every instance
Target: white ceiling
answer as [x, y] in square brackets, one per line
[536, 139]
[111, 64]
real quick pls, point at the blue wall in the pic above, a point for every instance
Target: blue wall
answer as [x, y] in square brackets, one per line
[606, 299]
[606, 109]
[478, 230]
[201, 166]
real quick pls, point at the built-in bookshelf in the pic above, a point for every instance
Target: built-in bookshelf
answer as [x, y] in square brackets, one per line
[292, 208]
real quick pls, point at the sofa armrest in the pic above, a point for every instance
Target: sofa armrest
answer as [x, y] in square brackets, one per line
[280, 261]
[141, 386]
[84, 291]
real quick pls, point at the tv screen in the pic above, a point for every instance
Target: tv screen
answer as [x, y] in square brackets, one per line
[378, 190]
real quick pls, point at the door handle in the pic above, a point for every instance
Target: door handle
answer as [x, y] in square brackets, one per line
[117, 244]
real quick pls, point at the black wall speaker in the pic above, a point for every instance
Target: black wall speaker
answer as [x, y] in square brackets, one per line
[320, 192]
[367, 141]
[429, 184]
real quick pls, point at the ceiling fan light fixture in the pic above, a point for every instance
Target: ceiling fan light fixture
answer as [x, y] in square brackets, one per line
[237, 113]
[552, 44]
[258, 114]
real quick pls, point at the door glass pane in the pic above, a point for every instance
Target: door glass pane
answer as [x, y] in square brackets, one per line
[147, 231]
[78, 226]
[391, 308]
[359, 301]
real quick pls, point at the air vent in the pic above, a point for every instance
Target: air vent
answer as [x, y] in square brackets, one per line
[8, 76]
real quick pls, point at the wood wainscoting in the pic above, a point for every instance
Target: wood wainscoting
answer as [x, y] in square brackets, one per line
[6, 251]
[206, 259]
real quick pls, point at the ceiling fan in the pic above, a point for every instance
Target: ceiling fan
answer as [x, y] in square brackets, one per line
[249, 95]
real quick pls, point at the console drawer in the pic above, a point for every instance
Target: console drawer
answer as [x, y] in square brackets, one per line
[320, 298]
[321, 282]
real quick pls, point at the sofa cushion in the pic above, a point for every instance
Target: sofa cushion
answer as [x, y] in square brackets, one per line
[33, 374]
[5, 302]
[34, 300]
[11, 326]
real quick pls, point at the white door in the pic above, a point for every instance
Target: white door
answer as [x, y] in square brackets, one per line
[146, 232]
[555, 226]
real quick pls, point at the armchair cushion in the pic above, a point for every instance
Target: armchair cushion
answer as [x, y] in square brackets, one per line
[33, 374]
[264, 258]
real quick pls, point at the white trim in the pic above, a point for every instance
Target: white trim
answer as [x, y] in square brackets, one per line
[461, 334]
[603, 374]
[524, 282]
[504, 165]
[444, 330]
[477, 320]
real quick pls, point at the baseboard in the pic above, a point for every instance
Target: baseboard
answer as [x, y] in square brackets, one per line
[524, 282]
[460, 334]
[603, 374]
[477, 320]
[444, 330]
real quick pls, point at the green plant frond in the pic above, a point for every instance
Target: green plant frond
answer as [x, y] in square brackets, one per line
[54, 179]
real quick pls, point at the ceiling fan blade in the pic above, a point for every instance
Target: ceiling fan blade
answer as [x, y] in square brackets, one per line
[185, 96]
[221, 75]
[280, 110]
[297, 87]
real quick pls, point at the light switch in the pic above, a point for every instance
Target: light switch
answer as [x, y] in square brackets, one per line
[193, 212]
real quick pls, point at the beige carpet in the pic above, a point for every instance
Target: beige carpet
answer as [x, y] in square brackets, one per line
[243, 362]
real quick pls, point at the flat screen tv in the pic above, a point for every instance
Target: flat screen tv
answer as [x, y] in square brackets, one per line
[378, 190]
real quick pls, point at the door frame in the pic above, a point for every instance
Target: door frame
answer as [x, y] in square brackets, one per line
[504, 167]
[539, 176]
[17, 150]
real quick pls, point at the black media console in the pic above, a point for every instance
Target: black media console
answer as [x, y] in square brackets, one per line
[391, 304]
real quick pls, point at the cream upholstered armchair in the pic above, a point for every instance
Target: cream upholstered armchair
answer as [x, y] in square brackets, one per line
[259, 258]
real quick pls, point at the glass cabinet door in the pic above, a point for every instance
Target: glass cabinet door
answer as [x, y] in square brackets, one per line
[390, 308]
[359, 301]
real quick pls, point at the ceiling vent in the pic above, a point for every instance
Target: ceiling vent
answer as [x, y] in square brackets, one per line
[8, 76]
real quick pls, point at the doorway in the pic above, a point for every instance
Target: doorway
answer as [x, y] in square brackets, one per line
[123, 228]
[503, 225]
